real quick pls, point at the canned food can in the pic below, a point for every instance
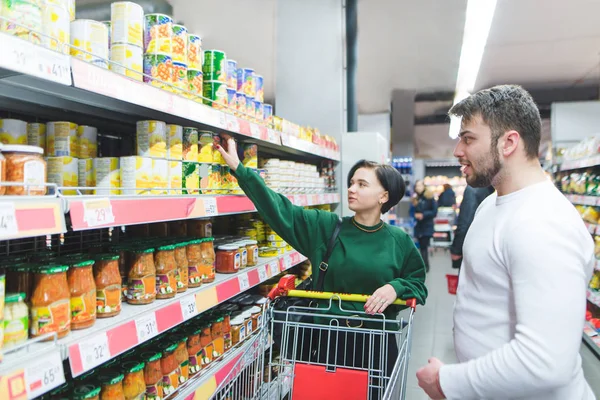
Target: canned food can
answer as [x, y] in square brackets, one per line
[127, 20]
[107, 176]
[151, 139]
[250, 108]
[71, 8]
[232, 74]
[190, 179]
[158, 33]
[205, 147]
[268, 114]
[85, 174]
[91, 37]
[194, 51]
[63, 171]
[130, 59]
[250, 156]
[180, 43]
[13, 131]
[260, 90]
[213, 181]
[231, 100]
[226, 183]
[61, 139]
[22, 18]
[175, 142]
[56, 27]
[36, 135]
[190, 144]
[175, 176]
[240, 99]
[258, 110]
[215, 94]
[195, 81]
[245, 81]
[158, 69]
[160, 176]
[109, 28]
[217, 157]
[180, 75]
[88, 141]
[136, 175]
[214, 67]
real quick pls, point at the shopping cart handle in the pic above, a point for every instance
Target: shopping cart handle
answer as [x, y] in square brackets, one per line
[287, 287]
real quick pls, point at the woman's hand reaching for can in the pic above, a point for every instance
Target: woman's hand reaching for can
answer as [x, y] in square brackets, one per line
[230, 155]
[381, 299]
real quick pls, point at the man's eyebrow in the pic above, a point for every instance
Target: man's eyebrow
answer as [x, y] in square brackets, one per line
[462, 133]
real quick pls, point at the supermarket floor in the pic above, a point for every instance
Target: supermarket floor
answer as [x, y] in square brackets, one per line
[432, 330]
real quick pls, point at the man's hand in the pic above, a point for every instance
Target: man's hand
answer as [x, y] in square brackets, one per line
[429, 379]
[455, 257]
[418, 216]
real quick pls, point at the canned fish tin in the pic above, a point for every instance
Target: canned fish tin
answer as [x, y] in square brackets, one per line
[215, 94]
[232, 74]
[180, 75]
[158, 33]
[21, 18]
[56, 27]
[175, 142]
[195, 81]
[214, 67]
[205, 147]
[130, 59]
[190, 144]
[158, 69]
[151, 139]
[190, 180]
[127, 20]
[268, 114]
[258, 110]
[13, 131]
[194, 51]
[63, 171]
[107, 176]
[36, 135]
[85, 174]
[61, 139]
[91, 37]
[259, 85]
[88, 141]
[245, 81]
[179, 43]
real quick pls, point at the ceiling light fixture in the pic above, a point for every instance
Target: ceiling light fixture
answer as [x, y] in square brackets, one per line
[478, 22]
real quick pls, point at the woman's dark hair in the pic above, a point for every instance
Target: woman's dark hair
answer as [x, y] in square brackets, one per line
[388, 177]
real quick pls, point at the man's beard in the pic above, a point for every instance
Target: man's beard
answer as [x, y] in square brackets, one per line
[485, 177]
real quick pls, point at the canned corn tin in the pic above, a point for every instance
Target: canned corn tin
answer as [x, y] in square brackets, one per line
[21, 18]
[158, 69]
[63, 171]
[13, 131]
[214, 67]
[127, 20]
[61, 139]
[215, 94]
[36, 135]
[180, 75]
[130, 59]
[190, 144]
[259, 85]
[232, 74]
[91, 37]
[175, 142]
[151, 139]
[179, 43]
[88, 141]
[195, 81]
[268, 114]
[194, 51]
[107, 176]
[56, 27]
[245, 81]
[85, 174]
[158, 33]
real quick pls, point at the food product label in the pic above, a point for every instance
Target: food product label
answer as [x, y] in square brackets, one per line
[242, 333]
[154, 392]
[108, 299]
[244, 257]
[255, 251]
[16, 330]
[8, 220]
[260, 318]
[34, 173]
[142, 289]
[54, 318]
[218, 346]
[237, 261]
[166, 283]
[170, 382]
[249, 327]
[227, 340]
[83, 307]
[194, 277]
[195, 364]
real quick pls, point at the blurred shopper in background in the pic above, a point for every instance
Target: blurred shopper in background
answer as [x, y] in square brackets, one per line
[448, 197]
[425, 211]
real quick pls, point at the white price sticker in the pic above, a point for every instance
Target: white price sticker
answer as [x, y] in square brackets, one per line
[98, 212]
[222, 120]
[44, 374]
[146, 327]
[233, 124]
[94, 351]
[272, 136]
[275, 269]
[188, 307]
[8, 219]
[255, 131]
[287, 260]
[244, 282]
[262, 273]
[210, 207]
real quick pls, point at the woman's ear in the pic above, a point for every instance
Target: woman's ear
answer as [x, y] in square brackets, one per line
[384, 197]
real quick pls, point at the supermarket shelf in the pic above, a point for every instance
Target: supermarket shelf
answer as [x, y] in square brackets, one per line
[584, 200]
[28, 216]
[593, 296]
[591, 338]
[582, 163]
[90, 212]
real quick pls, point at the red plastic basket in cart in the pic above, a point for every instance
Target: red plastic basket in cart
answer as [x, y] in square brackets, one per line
[452, 283]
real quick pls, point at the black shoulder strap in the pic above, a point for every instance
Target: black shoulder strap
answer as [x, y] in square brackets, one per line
[324, 263]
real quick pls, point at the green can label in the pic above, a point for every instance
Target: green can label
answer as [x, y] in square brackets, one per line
[215, 66]
[215, 94]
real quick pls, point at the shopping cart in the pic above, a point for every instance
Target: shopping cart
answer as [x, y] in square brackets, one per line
[327, 356]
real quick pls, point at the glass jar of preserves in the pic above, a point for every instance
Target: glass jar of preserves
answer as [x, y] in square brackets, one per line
[193, 347]
[256, 317]
[83, 294]
[134, 384]
[141, 282]
[243, 254]
[25, 165]
[238, 330]
[226, 329]
[50, 301]
[108, 282]
[252, 249]
[19, 279]
[166, 268]
[16, 319]
[206, 340]
[228, 259]
[111, 385]
[217, 335]
[152, 374]
[169, 368]
[194, 257]
[88, 391]
[200, 228]
[124, 263]
[207, 265]
[182, 357]
[182, 266]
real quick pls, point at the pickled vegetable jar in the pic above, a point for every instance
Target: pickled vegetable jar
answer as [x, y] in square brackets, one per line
[50, 301]
[193, 348]
[181, 355]
[217, 336]
[182, 266]
[194, 257]
[112, 385]
[86, 392]
[170, 369]
[134, 384]
[142, 277]
[152, 374]
[166, 268]
[19, 279]
[207, 265]
[108, 285]
[83, 294]
[16, 319]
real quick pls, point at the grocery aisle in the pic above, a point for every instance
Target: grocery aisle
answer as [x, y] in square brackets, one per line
[432, 330]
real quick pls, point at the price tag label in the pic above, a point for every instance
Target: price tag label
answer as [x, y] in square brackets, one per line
[233, 123]
[44, 374]
[262, 273]
[222, 120]
[210, 207]
[188, 307]
[244, 282]
[254, 131]
[94, 351]
[287, 262]
[272, 136]
[275, 269]
[146, 327]
[98, 212]
[8, 219]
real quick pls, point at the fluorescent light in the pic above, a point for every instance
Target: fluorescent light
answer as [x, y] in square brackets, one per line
[454, 127]
[478, 22]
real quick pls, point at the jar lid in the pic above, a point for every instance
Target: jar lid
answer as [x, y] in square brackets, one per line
[228, 247]
[261, 301]
[251, 242]
[150, 356]
[143, 250]
[132, 366]
[107, 257]
[209, 239]
[167, 247]
[52, 269]
[195, 241]
[169, 347]
[82, 263]
[23, 267]
[87, 391]
[239, 320]
[14, 297]
[255, 310]
[109, 377]
[180, 244]
[21, 148]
